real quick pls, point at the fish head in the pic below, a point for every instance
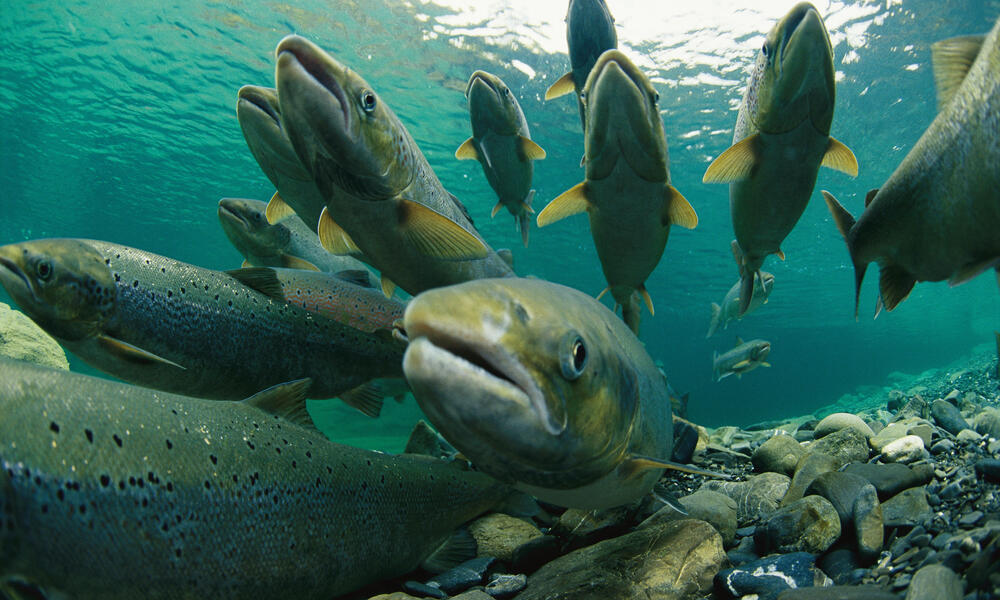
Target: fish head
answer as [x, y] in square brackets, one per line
[590, 30]
[793, 79]
[259, 115]
[766, 283]
[64, 285]
[521, 377]
[245, 224]
[492, 106]
[759, 349]
[343, 132]
[623, 120]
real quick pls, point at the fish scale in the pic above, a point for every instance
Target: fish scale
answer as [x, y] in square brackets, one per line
[112, 491]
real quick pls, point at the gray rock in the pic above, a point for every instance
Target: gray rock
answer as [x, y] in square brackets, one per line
[857, 505]
[968, 436]
[908, 507]
[585, 527]
[838, 421]
[989, 469]
[531, 555]
[916, 407]
[756, 498]
[942, 447]
[21, 339]
[948, 417]
[715, 508]
[779, 454]
[808, 525]
[470, 573]
[890, 479]
[839, 592]
[506, 586]
[499, 535]
[809, 468]
[987, 422]
[906, 449]
[421, 590]
[767, 577]
[889, 433]
[935, 582]
[470, 595]
[673, 561]
[847, 445]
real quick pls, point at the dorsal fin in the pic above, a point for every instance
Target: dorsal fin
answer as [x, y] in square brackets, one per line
[951, 60]
[356, 276]
[262, 279]
[739, 341]
[286, 400]
[870, 196]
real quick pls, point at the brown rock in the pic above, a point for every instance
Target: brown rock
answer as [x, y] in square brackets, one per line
[499, 535]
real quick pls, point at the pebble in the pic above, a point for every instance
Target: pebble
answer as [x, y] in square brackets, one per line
[22, 339]
[846, 445]
[935, 582]
[890, 479]
[810, 525]
[989, 469]
[968, 436]
[889, 433]
[715, 508]
[505, 586]
[904, 450]
[971, 519]
[839, 592]
[942, 446]
[841, 420]
[987, 422]
[947, 416]
[768, 577]
[531, 555]
[809, 468]
[908, 507]
[685, 441]
[462, 577]
[756, 498]
[857, 505]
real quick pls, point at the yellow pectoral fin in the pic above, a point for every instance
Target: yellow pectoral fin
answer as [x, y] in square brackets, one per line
[246, 263]
[564, 85]
[951, 60]
[496, 209]
[780, 254]
[840, 158]
[569, 203]
[294, 262]
[467, 151]
[277, 209]
[530, 149]
[388, 287]
[437, 236]
[133, 354]
[741, 364]
[765, 364]
[736, 163]
[604, 291]
[677, 210]
[333, 237]
[638, 464]
[649, 301]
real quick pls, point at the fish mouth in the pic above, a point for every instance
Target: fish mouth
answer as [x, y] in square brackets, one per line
[13, 278]
[229, 214]
[479, 79]
[252, 97]
[802, 22]
[297, 55]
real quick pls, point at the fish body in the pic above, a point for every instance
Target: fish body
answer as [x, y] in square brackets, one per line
[742, 358]
[729, 310]
[168, 325]
[501, 142]
[287, 243]
[782, 136]
[382, 198]
[259, 114]
[113, 491]
[541, 386]
[590, 31]
[938, 215]
[626, 190]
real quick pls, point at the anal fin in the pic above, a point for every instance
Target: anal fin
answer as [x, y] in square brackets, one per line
[973, 269]
[457, 549]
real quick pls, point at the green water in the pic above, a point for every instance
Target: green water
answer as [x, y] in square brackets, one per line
[118, 123]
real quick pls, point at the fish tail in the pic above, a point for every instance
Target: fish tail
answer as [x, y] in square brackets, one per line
[631, 313]
[845, 223]
[714, 324]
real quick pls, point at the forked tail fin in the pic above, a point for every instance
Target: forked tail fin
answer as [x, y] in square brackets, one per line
[845, 222]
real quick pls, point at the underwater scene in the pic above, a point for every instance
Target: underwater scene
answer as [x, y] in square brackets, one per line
[682, 302]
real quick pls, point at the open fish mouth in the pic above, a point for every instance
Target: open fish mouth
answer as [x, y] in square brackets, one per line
[251, 99]
[233, 217]
[296, 53]
[13, 278]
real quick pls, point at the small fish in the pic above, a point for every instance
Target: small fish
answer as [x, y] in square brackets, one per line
[626, 188]
[729, 310]
[782, 137]
[743, 358]
[590, 30]
[259, 114]
[172, 326]
[382, 198]
[541, 386]
[287, 243]
[502, 144]
[938, 215]
[113, 491]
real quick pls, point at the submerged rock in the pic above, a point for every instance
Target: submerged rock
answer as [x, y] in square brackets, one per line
[22, 339]
[778, 454]
[948, 417]
[808, 525]
[756, 498]
[499, 535]
[768, 577]
[987, 422]
[906, 449]
[890, 479]
[935, 582]
[837, 421]
[847, 445]
[715, 508]
[857, 505]
[908, 507]
[809, 468]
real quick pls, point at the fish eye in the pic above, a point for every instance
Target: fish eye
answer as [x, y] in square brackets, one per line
[574, 363]
[256, 216]
[656, 97]
[44, 270]
[763, 49]
[368, 100]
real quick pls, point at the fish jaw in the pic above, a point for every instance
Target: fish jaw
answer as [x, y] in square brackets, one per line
[247, 228]
[259, 115]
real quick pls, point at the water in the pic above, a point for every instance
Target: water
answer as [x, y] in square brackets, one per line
[119, 124]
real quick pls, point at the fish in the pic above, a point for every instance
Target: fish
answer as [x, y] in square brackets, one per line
[938, 214]
[168, 325]
[729, 310]
[626, 188]
[742, 358]
[259, 114]
[590, 31]
[109, 490]
[781, 139]
[501, 142]
[997, 371]
[542, 387]
[287, 243]
[382, 197]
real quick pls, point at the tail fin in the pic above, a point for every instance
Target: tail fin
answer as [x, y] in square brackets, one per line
[845, 222]
[716, 314]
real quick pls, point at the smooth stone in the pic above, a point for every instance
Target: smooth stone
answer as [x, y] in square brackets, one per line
[935, 582]
[531, 555]
[22, 339]
[473, 595]
[724, 435]
[744, 553]
[462, 577]
[889, 433]
[989, 469]
[839, 562]
[809, 525]
[987, 422]
[924, 431]
[811, 466]
[674, 561]
[948, 417]
[857, 505]
[905, 450]
[395, 596]
[422, 590]
[715, 508]
[685, 441]
[838, 421]
[888, 479]
[778, 454]
[908, 507]
[847, 445]
[839, 592]
[768, 577]
[967, 436]
[916, 407]
[499, 535]
[505, 586]
[942, 446]
[585, 527]
[971, 519]
[756, 498]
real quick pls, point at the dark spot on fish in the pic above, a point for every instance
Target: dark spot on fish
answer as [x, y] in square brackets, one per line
[277, 449]
[230, 303]
[177, 552]
[140, 482]
[45, 509]
[170, 486]
[173, 410]
[183, 291]
[208, 485]
[369, 462]
[235, 479]
[329, 470]
[105, 481]
[131, 481]
[216, 296]
[121, 484]
[214, 460]
[54, 426]
[118, 440]
[135, 283]
[170, 294]
[249, 443]
[308, 454]
[163, 270]
[61, 495]
[145, 502]
[118, 278]
[107, 261]
[293, 464]
[83, 509]
[90, 435]
[170, 445]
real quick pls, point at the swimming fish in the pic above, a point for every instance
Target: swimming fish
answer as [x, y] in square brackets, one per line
[259, 115]
[742, 358]
[501, 142]
[782, 137]
[590, 30]
[626, 188]
[938, 215]
[382, 198]
[287, 243]
[541, 386]
[729, 310]
[172, 326]
[113, 491]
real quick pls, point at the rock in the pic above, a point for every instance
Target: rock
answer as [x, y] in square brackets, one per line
[971, 519]
[908, 507]
[857, 505]
[421, 590]
[395, 596]
[506, 586]
[839, 592]
[968, 436]
[989, 469]
[768, 577]
[685, 441]
[715, 508]
[987, 422]
[473, 595]
[779, 454]
[756, 498]
[585, 527]
[809, 525]
[889, 433]
[22, 339]
[838, 421]
[889, 479]
[904, 450]
[529, 556]
[935, 582]
[916, 407]
[895, 401]
[744, 553]
[924, 431]
[498, 534]
[724, 436]
[839, 562]
[948, 417]
[847, 445]
[809, 468]
[672, 561]
[942, 447]
[470, 573]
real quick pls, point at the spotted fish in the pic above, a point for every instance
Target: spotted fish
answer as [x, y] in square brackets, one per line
[742, 358]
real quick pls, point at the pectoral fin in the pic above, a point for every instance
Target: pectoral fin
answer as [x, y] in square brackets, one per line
[294, 262]
[739, 341]
[645, 296]
[569, 203]
[638, 464]
[367, 398]
[261, 279]
[895, 284]
[467, 151]
[458, 548]
[333, 237]
[388, 287]
[780, 254]
[286, 400]
[741, 365]
[564, 85]
[496, 209]
[951, 60]
[133, 354]
[736, 163]
[437, 236]
[530, 149]
[246, 263]
[677, 210]
[840, 158]
[277, 209]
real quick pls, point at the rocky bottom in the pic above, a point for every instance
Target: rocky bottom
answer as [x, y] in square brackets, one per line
[898, 498]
